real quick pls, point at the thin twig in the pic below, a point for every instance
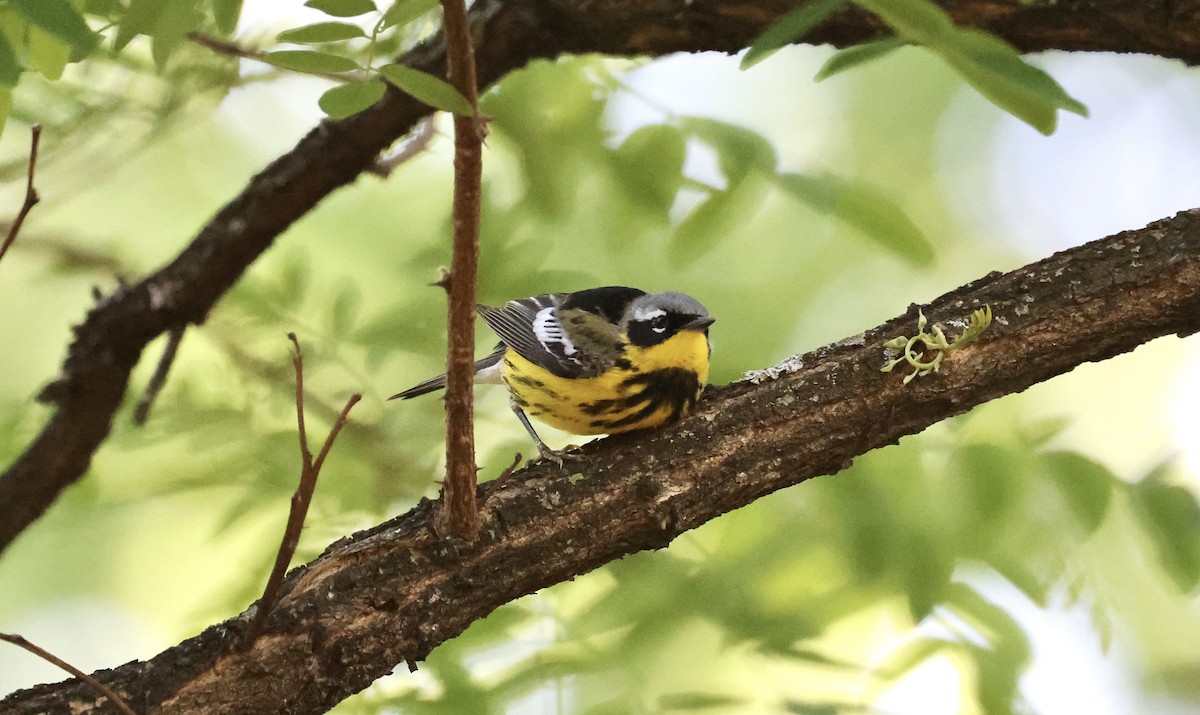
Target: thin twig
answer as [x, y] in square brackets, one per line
[301, 499]
[159, 378]
[222, 47]
[333, 433]
[31, 194]
[116, 700]
[298, 364]
[414, 145]
[459, 489]
[508, 471]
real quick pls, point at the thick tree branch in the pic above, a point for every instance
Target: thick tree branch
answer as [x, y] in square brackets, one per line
[510, 33]
[393, 593]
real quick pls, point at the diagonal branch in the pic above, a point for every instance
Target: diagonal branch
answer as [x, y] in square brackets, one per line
[395, 592]
[510, 33]
[142, 412]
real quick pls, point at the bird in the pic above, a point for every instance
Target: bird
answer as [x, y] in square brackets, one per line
[597, 361]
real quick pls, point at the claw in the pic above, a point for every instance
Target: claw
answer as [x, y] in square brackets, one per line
[559, 456]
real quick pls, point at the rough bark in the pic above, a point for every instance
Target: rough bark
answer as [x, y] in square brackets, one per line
[393, 593]
[510, 33]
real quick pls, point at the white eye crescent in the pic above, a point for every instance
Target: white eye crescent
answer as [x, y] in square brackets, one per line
[659, 324]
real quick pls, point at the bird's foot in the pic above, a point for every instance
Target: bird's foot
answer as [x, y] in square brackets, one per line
[560, 456]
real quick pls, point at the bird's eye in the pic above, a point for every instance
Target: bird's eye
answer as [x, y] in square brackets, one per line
[659, 323]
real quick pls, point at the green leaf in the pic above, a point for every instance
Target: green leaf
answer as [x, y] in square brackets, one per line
[788, 29]
[1086, 486]
[346, 99]
[10, 68]
[698, 701]
[1033, 583]
[993, 478]
[989, 64]
[342, 8]
[47, 53]
[321, 32]
[59, 18]
[919, 20]
[226, 14]
[139, 19]
[927, 575]
[5, 105]
[1001, 663]
[739, 150]
[102, 8]
[797, 707]
[426, 88]
[649, 164]
[714, 219]
[912, 653]
[1171, 517]
[346, 306]
[177, 18]
[308, 61]
[856, 55]
[864, 208]
[1036, 433]
[405, 11]
[991, 621]
[997, 71]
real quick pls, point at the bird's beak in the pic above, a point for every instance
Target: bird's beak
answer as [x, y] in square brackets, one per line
[699, 323]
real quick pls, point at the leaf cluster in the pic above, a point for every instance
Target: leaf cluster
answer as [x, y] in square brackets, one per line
[989, 64]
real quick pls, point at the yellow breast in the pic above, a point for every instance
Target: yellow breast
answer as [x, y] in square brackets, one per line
[647, 387]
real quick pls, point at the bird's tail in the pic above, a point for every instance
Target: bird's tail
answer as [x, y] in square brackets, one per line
[433, 384]
[486, 370]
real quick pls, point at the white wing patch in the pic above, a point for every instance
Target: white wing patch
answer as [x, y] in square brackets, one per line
[548, 331]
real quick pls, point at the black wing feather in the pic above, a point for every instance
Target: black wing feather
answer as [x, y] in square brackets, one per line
[515, 324]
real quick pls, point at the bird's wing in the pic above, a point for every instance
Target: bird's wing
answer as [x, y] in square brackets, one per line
[531, 327]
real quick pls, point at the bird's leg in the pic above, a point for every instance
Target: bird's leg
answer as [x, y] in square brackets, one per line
[553, 455]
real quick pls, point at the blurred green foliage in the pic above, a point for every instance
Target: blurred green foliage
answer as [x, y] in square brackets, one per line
[818, 599]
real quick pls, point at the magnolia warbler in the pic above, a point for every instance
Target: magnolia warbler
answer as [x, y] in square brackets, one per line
[597, 361]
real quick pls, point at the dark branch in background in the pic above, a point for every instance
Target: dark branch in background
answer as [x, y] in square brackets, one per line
[393, 593]
[92, 383]
[54, 660]
[31, 194]
[310, 469]
[159, 378]
[458, 491]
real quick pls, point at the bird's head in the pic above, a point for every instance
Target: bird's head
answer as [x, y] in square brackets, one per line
[656, 317]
